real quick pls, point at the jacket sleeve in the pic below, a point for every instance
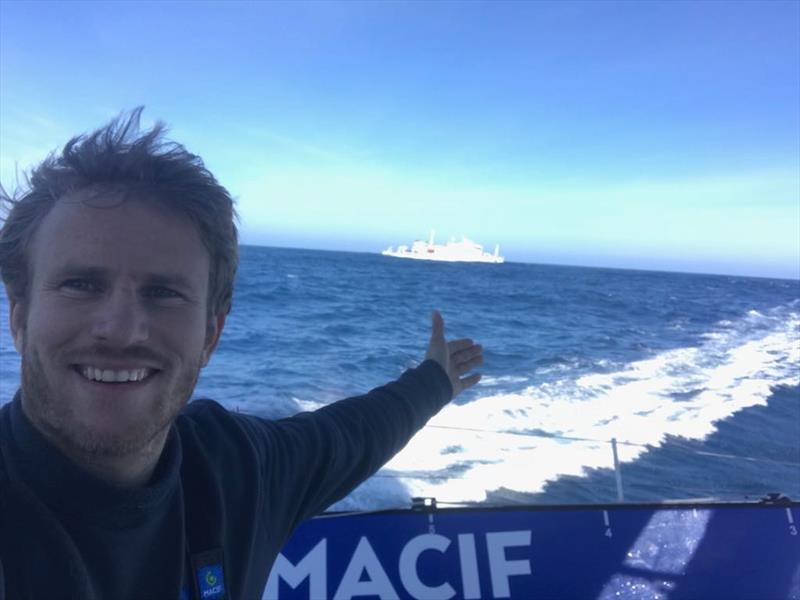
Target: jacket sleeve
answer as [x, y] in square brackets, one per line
[314, 459]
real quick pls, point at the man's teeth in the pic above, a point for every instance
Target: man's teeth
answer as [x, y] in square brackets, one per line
[109, 376]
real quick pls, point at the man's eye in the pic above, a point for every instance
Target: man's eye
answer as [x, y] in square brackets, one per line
[80, 285]
[160, 292]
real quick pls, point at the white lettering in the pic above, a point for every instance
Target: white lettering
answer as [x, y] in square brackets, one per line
[313, 566]
[377, 584]
[408, 568]
[365, 575]
[499, 567]
[212, 591]
[469, 566]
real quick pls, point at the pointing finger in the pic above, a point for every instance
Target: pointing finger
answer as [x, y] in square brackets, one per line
[467, 353]
[454, 346]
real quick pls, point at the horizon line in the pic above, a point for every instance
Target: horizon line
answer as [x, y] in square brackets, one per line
[542, 264]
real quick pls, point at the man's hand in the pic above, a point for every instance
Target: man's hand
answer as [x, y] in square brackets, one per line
[456, 357]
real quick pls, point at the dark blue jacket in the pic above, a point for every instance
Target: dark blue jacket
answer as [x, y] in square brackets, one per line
[227, 493]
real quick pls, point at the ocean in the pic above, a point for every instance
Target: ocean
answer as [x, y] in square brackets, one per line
[697, 377]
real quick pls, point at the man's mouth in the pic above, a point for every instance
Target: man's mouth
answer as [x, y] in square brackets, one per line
[131, 375]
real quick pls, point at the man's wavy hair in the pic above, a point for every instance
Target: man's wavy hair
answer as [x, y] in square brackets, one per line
[119, 159]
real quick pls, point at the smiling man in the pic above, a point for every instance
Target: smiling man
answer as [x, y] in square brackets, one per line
[114, 330]
[118, 261]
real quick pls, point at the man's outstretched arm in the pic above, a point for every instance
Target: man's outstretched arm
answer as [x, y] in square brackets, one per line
[317, 458]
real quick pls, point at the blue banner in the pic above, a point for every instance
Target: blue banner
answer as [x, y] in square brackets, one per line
[748, 552]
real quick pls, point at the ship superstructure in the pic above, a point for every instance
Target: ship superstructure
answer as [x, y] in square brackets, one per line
[464, 250]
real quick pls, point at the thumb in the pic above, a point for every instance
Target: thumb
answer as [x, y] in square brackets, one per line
[437, 348]
[437, 327]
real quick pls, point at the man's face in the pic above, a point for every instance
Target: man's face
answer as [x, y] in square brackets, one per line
[115, 326]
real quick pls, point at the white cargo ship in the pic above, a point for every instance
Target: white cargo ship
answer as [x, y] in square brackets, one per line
[453, 251]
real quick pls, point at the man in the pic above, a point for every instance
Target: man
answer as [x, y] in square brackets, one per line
[118, 263]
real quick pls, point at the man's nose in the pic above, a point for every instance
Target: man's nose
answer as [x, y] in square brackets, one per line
[121, 319]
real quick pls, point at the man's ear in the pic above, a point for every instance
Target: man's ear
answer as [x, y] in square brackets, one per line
[216, 323]
[16, 322]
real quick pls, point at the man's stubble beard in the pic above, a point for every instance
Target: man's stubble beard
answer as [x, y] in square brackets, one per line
[55, 415]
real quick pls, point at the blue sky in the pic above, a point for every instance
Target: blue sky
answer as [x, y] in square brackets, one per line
[660, 135]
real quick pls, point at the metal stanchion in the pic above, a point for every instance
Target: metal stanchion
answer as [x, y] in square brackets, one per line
[618, 473]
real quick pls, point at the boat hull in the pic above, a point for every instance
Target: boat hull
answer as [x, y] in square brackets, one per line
[681, 551]
[439, 258]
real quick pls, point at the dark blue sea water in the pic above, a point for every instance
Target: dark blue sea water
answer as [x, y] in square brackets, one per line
[698, 375]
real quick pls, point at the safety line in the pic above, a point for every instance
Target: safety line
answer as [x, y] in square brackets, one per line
[619, 442]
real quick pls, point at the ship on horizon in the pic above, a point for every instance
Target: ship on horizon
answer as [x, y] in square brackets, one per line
[464, 250]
